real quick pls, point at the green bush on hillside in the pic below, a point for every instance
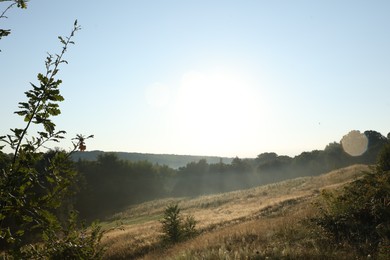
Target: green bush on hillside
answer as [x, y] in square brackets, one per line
[359, 215]
[174, 228]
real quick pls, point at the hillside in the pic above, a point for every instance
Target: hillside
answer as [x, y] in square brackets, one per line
[172, 160]
[111, 182]
[226, 220]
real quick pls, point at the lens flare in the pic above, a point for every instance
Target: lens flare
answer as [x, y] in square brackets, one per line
[355, 143]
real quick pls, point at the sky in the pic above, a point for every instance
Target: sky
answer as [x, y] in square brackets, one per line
[205, 77]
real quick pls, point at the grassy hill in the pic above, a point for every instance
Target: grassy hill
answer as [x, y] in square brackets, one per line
[261, 222]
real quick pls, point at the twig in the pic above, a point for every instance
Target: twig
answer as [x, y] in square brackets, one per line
[9, 7]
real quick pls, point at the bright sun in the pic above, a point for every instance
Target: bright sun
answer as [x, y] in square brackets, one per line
[214, 108]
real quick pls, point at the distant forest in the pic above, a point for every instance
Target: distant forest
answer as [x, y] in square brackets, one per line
[172, 160]
[109, 182]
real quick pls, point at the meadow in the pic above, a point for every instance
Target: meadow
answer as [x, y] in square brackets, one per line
[265, 222]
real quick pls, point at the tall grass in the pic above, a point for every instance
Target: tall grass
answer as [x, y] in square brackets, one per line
[266, 221]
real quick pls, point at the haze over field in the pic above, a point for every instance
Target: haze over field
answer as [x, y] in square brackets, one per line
[225, 78]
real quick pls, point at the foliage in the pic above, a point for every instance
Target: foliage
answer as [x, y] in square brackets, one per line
[174, 228]
[189, 227]
[110, 184]
[34, 185]
[199, 178]
[360, 215]
[384, 159]
[72, 243]
[171, 224]
[112, 181]
[19, 3]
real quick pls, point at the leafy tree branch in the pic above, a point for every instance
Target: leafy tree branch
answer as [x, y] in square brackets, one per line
[34, 185]
[42, 104]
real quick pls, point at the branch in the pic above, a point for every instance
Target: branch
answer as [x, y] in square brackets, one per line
[19, 3]
[50, 74]
[6, 10]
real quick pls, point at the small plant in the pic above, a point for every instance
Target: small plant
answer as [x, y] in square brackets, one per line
[176, 229]
[171, 224]
[189, 227]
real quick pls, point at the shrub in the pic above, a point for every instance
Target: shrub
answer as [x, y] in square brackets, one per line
[71, 242]
[189, 227]
[359, 215]
[174, 228]
[171, 224]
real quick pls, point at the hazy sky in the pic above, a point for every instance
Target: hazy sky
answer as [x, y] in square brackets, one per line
[206, 77]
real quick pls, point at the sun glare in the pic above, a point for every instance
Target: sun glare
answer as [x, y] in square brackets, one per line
[355, 143]
[214, 108]
[158, 95]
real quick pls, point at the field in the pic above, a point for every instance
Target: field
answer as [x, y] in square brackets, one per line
[258, 223]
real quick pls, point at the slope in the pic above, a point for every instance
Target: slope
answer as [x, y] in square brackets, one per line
[223, 219]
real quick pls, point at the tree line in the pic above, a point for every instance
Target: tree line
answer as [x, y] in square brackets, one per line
[109, 184]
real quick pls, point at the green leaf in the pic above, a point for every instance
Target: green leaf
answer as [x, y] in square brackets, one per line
[53, 111]
[4, 33]
[17, 131]
[27, 117]
[50, 179]
[45, 236]
[61, 40]
[49, 126]
[22, 4]
[21, 113]
[28, 219]
[24, 105]
[41, 77]
[43, 134]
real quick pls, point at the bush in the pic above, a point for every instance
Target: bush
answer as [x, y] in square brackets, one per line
[69, 243]
[189, 227]
[359, 215]
[174, 228]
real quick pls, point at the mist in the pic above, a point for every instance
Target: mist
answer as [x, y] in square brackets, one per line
[109, 184]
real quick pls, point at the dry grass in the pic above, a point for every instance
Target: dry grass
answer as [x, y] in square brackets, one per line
[255, 223]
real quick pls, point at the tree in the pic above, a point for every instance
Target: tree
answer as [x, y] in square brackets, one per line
[384, 159]
[240, 166]
[376, 141]
[266, 158]
[33, 184]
